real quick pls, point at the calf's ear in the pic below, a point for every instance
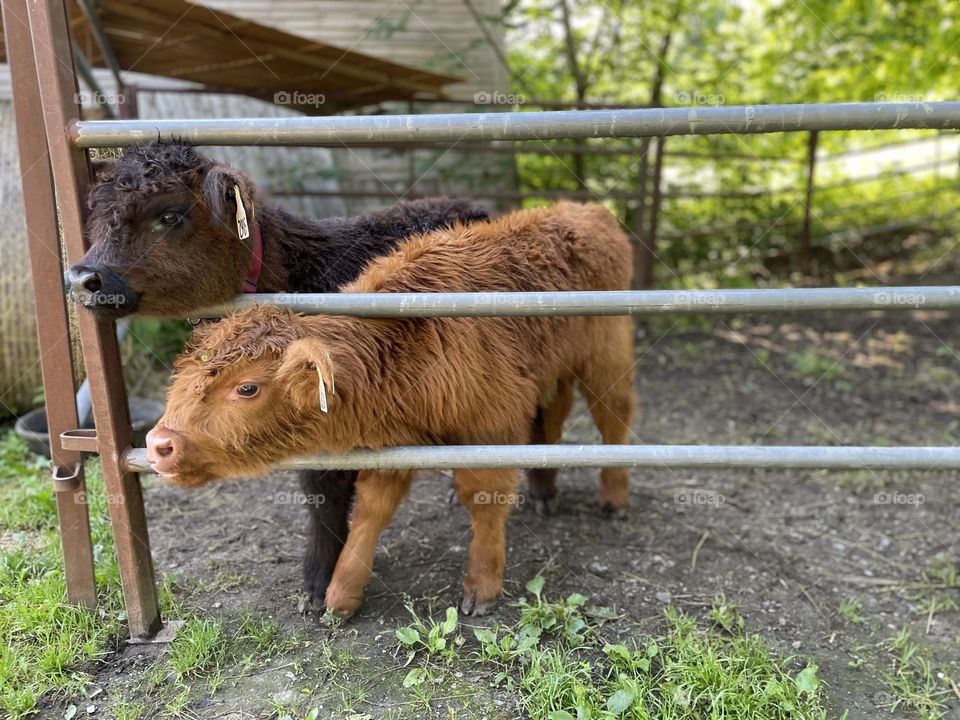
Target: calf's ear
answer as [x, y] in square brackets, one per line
[307, 375]
[221, 197]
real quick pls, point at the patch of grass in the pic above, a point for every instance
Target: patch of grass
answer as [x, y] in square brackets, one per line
[850, 609]
[912, 682]
[431, 637]
[122, 709]
[813, 367]
[941, 593]
[726, 616]
[44, 642]
[557, 658]
[199, 649]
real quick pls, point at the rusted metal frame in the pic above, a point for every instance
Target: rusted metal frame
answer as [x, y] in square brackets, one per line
[53, 326]
[807, 228]
[71, 173]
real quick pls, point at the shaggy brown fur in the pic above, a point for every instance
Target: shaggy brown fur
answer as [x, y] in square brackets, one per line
[247, 394]
[163, 241]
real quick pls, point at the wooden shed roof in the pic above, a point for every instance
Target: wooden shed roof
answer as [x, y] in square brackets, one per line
[186, 41]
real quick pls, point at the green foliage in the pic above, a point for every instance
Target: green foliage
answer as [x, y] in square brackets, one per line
[159, 340]
[679, 53]
[564, 669]
[43, 640]
[431, 637]
[199, 648]
[912, 680]
[850, 609]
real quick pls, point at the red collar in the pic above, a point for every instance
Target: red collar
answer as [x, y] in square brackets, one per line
[256, 261]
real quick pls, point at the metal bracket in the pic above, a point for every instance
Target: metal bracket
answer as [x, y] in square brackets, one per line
[83, 440]
[164, 635]
[66, 478]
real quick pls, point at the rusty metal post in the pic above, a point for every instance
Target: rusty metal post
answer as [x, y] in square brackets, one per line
[129, 105]
[71, 173]
[53, 325]
[806, 249]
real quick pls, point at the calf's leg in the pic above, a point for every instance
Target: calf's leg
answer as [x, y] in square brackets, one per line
[488, 495]
[378, 496]
[547, 430]
[607, 385]
[329, 495]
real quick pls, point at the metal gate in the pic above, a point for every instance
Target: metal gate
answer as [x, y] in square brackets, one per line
[56, 175]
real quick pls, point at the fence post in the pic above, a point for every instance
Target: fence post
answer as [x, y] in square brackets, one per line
[53, 325]
[101, 354]
[642, 254]
[646, 280]
[805, 239]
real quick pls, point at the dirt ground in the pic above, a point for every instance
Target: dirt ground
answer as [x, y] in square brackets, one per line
[788, 547]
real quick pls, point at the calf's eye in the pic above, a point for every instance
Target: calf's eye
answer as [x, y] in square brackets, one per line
[247, 390]
[170, 218]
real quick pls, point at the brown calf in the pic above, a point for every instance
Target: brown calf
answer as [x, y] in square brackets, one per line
[266, 385]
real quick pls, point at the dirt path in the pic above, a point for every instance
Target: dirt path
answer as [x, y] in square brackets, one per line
[788, 548]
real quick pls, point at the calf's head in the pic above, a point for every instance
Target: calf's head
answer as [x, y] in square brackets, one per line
[163, 234]
[246, 394]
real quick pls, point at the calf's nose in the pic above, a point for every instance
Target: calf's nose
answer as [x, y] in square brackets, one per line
[163, 445]
[100, 289]
[80, 280]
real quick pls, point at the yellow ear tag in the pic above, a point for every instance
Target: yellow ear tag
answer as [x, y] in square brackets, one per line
[243, 229]
[323, 392]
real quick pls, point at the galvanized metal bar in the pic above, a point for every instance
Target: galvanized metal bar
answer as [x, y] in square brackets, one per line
[376, 129]
[58, 92]
[53, 326]
[620, 302]
[652, 456]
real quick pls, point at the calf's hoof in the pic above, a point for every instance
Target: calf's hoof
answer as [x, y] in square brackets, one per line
[470, 605]
[307, 604]
[342, 603]
[544, 507]
[334, 619]
[612, 512]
